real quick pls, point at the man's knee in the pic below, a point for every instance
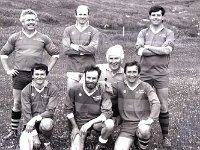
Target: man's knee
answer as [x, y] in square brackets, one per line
[164, 108]
[109, 124]
[119, 146]
[17, 105]
[46, 124]
[144, 131]
[46, 127]
[17, 100]
[77, 143]
[123, 143]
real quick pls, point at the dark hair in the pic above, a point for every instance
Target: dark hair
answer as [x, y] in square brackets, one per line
[156, 9]
[85, 6]
[39, 67]
[134, 63]
[93, 68]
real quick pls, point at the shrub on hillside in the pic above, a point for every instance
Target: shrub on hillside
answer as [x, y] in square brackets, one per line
[7, 21]
[48, 18]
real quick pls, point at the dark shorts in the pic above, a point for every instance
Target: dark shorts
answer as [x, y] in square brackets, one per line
[128, 129]
[22, 79]
[158, 82]
[115, 110]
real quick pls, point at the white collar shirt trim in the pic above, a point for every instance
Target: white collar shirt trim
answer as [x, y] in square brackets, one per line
[156, 31]
[29, 35]
[134, 87]
[82, 28]
[88, 93]
[39, 90]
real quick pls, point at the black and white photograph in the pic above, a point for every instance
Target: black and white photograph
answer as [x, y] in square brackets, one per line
[99, 75]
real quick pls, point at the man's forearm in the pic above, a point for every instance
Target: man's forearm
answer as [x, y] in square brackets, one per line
[145, 52]
[159, 50]
[4, 61]
[155, 110]
[101, 118]
[73, 122]
[52, 62]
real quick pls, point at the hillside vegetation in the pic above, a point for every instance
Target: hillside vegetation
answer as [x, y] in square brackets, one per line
[109, 16]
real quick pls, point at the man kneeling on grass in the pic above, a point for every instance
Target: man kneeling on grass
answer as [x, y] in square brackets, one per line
[89, 108]
[39, 100]
[138, 107]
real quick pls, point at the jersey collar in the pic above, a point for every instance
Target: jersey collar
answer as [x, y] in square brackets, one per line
[134, 87]
[157, 31]
[29, 35]
[39, 90]
[82, 28]
[89, 93]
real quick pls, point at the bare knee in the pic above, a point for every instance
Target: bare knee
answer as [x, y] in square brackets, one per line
[46, 124]
[144, 131]
[164, 108]
[123, 143]
[17, 105]
[17, 100]
[78, 143]
[109, 123]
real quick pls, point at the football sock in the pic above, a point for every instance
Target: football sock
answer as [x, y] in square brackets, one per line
[15, 118]
[164, 123]
[143, 143]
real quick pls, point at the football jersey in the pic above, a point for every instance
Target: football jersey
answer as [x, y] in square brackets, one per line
[39, 103]
[88, 41]
[155, 64]
[137, 104]
[87, 107]
[28, 51]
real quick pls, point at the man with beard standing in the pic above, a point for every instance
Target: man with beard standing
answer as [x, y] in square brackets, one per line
[89, 108]
[154, 45]
[29, 46]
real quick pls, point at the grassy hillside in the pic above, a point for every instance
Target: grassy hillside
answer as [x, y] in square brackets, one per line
[109, 17]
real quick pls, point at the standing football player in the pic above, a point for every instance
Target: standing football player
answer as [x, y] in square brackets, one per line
[154, 45]
[28, 46]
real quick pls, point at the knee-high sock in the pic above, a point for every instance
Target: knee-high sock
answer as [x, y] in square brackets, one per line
[15, 118]
[164, 123]
[143, 143]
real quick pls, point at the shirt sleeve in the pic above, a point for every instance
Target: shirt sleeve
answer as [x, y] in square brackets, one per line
[69, 101]
[140, 39]
[9, 47]
[93, 45]
[154, 101]
[26, 104]
[66, 43]
[106, 106]
[53, 102]
[169, 40]
[50, 47]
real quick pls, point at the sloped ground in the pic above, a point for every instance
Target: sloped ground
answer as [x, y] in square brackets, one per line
[183, 16]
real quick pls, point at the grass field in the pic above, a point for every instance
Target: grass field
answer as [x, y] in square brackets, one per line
[109, 17]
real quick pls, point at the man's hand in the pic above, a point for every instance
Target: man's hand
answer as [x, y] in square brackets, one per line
[85, 127]
[149, 121]
[117, 120]
[12, 72]
[36, 141]
[75, 47]
[75, 131]
[147, 47]
[30, 125]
